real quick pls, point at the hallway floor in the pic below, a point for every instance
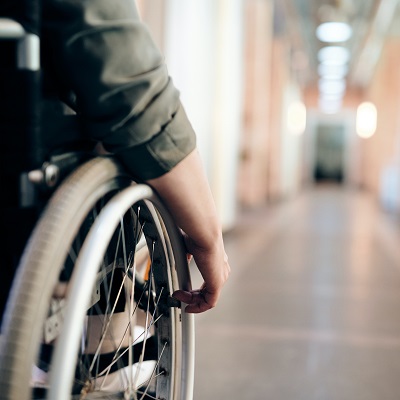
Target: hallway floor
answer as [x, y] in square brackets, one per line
[312, 307]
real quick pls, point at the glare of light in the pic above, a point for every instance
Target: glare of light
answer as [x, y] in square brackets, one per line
[331, 96]
[334, 32]
[334, 55]
[336, 61]
[332, 77]
[367, 116]
[332, 86]
[296, 118]
[326, 69]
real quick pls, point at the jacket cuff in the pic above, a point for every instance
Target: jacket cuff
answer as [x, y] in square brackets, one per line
[163, 152]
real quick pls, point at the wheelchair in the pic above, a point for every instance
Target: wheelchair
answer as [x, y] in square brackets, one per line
[89, 314]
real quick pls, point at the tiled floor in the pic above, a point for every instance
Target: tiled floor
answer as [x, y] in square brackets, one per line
[312, 308]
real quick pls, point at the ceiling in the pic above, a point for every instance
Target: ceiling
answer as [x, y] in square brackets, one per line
[372, 21]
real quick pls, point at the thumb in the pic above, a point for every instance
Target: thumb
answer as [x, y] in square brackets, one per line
[183, 295]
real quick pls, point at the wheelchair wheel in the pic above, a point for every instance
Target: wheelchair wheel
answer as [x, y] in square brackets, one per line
[91, 314]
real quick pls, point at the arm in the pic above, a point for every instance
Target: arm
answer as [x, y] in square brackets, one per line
[128, 102]
[186, 193]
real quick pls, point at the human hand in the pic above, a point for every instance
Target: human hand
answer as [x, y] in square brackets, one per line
[197, 301]
[214, 267]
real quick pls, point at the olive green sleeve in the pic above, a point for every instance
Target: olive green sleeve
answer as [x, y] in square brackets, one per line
[124, 93]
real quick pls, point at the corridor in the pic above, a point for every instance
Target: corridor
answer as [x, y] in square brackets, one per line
[312, 307]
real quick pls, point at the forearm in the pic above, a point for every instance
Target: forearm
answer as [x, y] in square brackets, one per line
[186, 193]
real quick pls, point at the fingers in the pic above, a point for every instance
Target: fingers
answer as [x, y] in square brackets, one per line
[197, 301]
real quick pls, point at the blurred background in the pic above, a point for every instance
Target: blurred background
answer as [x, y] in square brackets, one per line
[296, 104]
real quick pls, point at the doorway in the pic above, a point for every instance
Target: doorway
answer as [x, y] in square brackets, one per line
[329, 153]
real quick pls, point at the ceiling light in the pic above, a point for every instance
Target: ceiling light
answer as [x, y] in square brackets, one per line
[332, 77]
[334, 32]
[325, 69]
[334, 55]
[331, 96]
[332, 86]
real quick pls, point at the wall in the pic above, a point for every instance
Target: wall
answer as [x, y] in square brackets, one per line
[202, 44]
[253, 178]
[271, 165]
[383, 149]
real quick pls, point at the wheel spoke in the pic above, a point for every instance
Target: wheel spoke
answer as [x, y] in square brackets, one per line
[128, 348]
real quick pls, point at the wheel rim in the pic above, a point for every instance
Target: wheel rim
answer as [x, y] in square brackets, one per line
[93, 183]
[162, 375]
